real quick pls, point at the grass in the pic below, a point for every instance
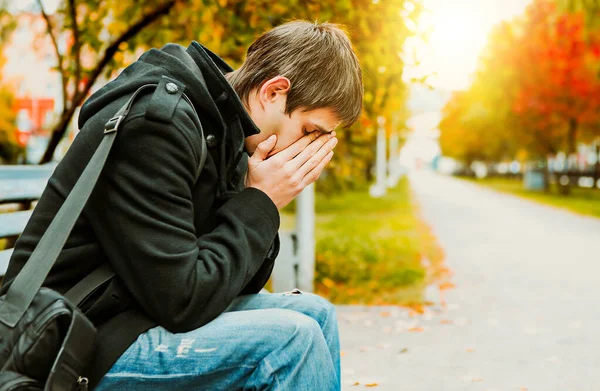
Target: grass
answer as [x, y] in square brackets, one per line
[373, 251]
[582, 201]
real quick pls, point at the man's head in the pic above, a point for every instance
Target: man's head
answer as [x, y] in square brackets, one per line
[299, 77]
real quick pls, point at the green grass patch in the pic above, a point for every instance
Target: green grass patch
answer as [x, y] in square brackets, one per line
[373, 251]
[580, 200]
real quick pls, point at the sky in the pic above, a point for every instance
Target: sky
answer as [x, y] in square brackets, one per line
[21, 5]
[459, 31]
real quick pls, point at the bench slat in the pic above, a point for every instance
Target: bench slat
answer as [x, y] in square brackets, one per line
[4, 258]
[23, 183]
[20, 190]
[13, 223]
[9, 172]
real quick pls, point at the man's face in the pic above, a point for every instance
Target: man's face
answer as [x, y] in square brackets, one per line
[267, 110]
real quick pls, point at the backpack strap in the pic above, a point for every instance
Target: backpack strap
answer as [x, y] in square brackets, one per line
[89, 284]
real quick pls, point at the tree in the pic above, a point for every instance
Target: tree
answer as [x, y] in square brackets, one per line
[479, 123]
[95, 33]
[536, 89]
[558, 85]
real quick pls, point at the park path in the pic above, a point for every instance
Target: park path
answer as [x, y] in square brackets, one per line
[524, 315]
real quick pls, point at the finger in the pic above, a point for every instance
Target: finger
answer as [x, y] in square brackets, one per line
[290, 152]
[311, 151]
[263, 149]
[315, 159]
[316, 172]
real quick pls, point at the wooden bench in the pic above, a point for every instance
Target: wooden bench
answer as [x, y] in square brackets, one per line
[20, 188]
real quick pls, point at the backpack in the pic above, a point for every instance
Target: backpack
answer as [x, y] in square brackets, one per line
[46, 342]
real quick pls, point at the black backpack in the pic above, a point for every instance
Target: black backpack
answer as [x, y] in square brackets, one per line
[46, 342]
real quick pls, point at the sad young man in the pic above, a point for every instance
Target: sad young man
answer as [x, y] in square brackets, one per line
[191, 249]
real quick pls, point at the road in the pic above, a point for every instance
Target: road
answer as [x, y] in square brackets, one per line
[524, 315]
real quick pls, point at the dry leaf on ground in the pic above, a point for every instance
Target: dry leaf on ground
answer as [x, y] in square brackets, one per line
[446, 285]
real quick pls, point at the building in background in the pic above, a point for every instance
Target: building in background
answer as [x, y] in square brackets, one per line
[30, 67]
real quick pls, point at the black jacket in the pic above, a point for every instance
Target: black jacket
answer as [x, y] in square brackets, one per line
[182, 247]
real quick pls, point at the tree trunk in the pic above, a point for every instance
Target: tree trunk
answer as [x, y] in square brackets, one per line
[572, 136]
[565, 187]
[597, 165]
[57, 133]
[546, 177]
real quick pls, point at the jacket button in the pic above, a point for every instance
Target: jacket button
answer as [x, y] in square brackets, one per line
[171, 88]
[211, 140]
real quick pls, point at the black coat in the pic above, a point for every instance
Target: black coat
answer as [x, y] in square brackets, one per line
[182, 247]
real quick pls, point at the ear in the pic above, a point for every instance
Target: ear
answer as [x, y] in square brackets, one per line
[273, 89]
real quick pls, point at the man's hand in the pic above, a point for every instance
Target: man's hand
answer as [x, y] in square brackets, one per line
[284, 175]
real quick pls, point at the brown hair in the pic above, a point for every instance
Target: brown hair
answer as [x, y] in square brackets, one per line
[319, 61]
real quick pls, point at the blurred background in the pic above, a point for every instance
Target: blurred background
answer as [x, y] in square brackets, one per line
[475, 165]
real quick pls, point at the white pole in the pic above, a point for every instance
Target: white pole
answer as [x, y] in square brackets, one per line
[380, 187]
[305, 230]
[393, 160]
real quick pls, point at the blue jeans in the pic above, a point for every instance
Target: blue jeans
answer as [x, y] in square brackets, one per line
[273, 341]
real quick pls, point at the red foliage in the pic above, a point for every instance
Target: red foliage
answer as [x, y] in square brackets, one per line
[558, 63]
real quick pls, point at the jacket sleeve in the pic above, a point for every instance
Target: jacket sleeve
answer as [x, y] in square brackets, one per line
[264, 273]
[143, 217]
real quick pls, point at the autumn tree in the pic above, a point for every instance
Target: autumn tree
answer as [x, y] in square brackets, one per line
[558, 83]
[479, 123]
[536, 89]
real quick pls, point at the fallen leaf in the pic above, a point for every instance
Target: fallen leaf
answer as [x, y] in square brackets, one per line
[372, 385]
[416, 309]
[416, 329]
[405, 350]
[470, 350]
[446, 321]
[356, 384]
[342, 353]
[446, 285]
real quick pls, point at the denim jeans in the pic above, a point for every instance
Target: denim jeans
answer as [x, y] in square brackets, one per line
[273, 341]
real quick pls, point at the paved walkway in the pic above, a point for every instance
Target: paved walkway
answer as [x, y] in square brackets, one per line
[525, 313]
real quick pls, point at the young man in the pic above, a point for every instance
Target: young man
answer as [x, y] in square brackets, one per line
[191, 249]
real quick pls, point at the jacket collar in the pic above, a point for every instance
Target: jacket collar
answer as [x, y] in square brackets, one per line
[219, 87]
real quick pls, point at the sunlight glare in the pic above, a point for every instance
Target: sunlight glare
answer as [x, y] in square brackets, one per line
[457, 36]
